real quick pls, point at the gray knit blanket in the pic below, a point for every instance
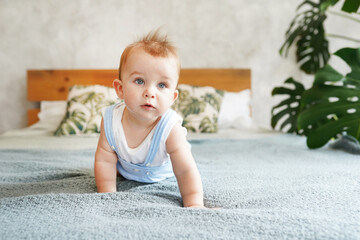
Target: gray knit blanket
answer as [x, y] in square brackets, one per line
[269, 188]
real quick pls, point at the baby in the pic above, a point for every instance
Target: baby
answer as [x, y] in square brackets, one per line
[142, 138]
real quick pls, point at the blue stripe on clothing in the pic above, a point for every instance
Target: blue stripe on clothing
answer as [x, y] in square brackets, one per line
[141, 172]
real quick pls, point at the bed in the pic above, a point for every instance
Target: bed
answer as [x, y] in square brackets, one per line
[258, 184]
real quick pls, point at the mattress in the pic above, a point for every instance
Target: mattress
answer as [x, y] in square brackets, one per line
[257, 185]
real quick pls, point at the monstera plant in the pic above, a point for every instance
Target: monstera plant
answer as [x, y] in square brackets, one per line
[289, 107]
[331, 107]
[307, 31]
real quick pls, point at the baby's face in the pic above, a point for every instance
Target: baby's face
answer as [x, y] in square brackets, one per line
[148, 84]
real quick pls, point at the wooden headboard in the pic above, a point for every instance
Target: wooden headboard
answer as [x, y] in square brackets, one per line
[54, 84]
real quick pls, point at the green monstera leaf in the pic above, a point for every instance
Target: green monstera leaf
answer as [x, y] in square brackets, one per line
[332, 105]
[307, 30]
[351, 6]
[288, 108]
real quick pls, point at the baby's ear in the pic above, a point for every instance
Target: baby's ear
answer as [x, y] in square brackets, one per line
[176, 94]
[117, 83]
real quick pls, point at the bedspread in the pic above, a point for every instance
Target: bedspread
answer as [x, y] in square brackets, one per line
[266, 188]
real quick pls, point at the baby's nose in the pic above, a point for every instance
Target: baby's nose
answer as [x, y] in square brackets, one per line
[149, 93]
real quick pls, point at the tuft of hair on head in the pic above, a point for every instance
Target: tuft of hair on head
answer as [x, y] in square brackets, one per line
[157, 44]
[154, 43]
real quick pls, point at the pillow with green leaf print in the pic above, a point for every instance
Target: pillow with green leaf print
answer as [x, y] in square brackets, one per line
[85, 105]
[199, 107]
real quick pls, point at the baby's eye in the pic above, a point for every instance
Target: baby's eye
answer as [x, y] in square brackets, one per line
[162, 85]
[139, 81]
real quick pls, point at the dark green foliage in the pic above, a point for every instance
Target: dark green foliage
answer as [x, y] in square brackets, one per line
[307, 30]
[351, 6]
[288, 108]
[332, 105]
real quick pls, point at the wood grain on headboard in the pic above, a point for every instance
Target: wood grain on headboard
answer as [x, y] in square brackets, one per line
[54, 84]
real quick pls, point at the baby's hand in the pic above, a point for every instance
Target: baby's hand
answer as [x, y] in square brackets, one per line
[202, 206]
[196, 206]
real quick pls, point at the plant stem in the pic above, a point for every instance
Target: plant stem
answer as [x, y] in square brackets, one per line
[343, 37]
[348, 16]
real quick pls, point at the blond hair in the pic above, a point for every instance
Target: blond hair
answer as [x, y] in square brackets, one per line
[155, 44]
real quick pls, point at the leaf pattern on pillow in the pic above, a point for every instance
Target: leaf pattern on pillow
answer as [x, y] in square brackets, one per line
[72, 121]
[199, 107]
[208, 126]
[214, 99]
[84, 107]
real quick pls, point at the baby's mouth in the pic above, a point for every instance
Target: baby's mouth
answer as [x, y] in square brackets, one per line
[148, 106]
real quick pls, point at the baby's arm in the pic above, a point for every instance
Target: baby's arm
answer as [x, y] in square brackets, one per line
[185, 169]
[105, 165]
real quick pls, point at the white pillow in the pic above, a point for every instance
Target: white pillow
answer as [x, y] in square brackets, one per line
[199, 107]
[235, 110]
[50, 115]
[85, 106]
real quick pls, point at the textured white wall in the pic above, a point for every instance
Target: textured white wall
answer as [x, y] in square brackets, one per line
[44, 34]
